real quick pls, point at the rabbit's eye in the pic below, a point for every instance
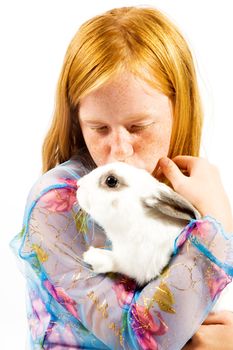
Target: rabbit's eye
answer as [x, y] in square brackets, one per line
[111, 181]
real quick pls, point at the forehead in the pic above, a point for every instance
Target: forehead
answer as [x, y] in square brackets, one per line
[128, 97]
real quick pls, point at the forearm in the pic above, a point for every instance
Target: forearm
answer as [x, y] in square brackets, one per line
[109, 310]
[221, 213]
[111, 306]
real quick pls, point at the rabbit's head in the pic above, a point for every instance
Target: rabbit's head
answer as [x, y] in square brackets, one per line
[116, 194]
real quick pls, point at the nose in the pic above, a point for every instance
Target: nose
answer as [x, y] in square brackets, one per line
[121, 145]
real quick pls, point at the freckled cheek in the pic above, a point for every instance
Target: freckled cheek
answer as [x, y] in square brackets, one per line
[98, 149]
[152, 148]
[154, 143]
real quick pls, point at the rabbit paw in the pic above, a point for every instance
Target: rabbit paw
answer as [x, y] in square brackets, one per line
[100, 259]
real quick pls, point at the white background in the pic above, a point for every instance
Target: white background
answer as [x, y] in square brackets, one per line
[34, 38]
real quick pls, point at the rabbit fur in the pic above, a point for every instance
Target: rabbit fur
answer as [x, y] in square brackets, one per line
[140, 215]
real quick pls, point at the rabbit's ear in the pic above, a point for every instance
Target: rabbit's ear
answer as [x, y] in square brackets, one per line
[170, 203]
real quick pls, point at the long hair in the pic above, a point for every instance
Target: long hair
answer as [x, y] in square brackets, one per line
[142, 41]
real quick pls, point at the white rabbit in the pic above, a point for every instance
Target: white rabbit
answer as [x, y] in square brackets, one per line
[140, 215]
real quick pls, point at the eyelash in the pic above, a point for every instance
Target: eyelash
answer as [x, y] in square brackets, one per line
[138, 128]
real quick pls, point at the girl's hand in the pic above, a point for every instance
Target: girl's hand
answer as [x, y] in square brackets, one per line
[216, 333]
[202, 186]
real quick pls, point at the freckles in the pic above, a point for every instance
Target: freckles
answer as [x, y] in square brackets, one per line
[144, 145]
[98, 152]
[154, 143]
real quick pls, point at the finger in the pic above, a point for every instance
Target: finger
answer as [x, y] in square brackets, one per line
[157, 172]
[188, 163]
[184, 162]
[221, 317]
[171, 171]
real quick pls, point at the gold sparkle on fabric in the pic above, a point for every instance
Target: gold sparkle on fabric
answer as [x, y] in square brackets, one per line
[117, 331]
[101, 307]
[80, 219]
[164, 298]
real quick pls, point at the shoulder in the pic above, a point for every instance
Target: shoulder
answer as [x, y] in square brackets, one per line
[63, 176]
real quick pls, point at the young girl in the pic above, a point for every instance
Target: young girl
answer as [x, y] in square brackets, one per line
[127, 92]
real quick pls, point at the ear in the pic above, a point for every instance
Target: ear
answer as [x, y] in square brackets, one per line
[170, 203]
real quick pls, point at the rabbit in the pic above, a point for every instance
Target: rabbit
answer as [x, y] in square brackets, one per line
[140, 215]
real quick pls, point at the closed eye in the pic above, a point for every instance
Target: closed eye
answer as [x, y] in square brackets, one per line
[141, 127]
[134, 128]
[101, 129]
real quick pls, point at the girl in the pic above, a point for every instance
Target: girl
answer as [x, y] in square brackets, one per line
[127, 92]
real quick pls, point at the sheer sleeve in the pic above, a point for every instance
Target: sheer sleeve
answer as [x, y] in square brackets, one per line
[70, 307]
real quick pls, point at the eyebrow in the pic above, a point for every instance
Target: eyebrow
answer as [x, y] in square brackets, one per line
[130, 117]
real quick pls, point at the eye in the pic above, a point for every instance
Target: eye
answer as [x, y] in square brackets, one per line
[111, 181]
[141, 127]
[137, 128]
[101, 129]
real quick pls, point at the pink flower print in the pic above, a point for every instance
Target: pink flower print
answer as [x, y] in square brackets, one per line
[39, 318]
[217, 280]
[67, 302]
[61, 199]
[203, 228]
[197, 229]
[124, 289]
[60, 295]
[70, 182]
[146, 327]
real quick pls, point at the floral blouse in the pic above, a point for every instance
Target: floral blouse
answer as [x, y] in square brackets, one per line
[70, 307]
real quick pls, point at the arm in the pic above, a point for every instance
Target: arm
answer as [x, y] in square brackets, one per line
[218, 336]
[202, 187]
[109, 310]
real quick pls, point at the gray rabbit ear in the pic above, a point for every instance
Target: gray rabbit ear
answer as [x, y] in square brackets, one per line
[171, 204]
